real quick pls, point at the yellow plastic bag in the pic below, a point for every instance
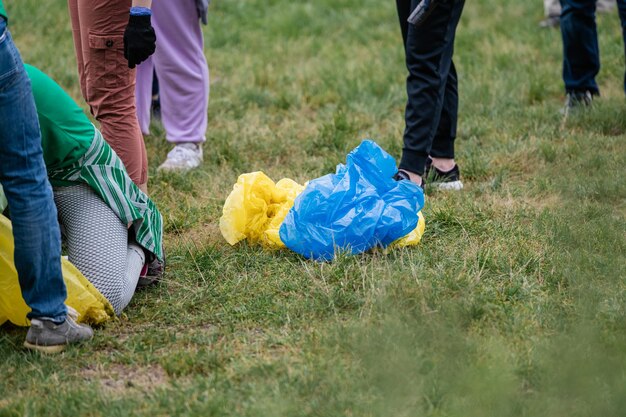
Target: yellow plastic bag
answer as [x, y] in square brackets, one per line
[256, 208]
[91, 306]
[415, 236]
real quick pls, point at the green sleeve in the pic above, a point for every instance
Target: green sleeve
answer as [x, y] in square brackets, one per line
[2, 12]
[66, 132]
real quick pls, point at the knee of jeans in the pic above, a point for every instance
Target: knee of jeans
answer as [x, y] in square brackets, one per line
[29, 195]
[29, 218]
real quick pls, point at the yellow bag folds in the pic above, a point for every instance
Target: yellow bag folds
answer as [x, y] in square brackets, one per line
[256, 208]
[91, 306]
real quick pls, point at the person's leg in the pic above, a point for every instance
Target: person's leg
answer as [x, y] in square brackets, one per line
[72, 5]
[135, 260]
[621, 7]
[428, 58]
[581, 56]
[110, 84]
[182, 70]
[156, 100]
[404, 11]
[143, 94]
[442, 151]
[97, 244]
[24, 178]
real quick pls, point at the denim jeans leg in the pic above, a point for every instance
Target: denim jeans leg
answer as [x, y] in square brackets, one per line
[24, 179]
[581, 54]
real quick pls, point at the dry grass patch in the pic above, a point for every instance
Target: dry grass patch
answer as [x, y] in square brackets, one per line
[122, 380]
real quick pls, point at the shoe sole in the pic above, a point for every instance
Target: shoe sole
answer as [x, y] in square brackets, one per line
[48, 350]
[448, 186]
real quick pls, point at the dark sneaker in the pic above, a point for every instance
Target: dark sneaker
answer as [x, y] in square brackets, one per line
[443, 180]
[152, 271]
[550, 22]
[47, 337]
[577, 99]
[402, 176]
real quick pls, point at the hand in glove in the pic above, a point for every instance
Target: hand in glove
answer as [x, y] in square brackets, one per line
[139, 39]
[202, 7]
[421, 12]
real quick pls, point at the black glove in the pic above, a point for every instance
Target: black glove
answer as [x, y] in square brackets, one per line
[421, 12]
[139, 40]
[202, 7]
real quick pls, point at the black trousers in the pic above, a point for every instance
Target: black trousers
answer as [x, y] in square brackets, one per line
[581, 54]
[431, 110]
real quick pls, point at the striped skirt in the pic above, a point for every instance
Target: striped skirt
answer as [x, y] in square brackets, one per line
[104, 172]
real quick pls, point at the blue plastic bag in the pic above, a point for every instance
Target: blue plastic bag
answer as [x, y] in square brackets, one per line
[355, 209]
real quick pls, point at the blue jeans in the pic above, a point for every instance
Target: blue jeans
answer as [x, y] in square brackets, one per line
[24, 179]
[581, 55]
[431, 110]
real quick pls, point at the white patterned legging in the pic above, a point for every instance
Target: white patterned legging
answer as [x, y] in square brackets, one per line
[98, 245]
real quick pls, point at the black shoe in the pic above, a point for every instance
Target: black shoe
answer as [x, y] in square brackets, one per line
[577, 99]
[152, 271]
[403, 176]
[443, 180]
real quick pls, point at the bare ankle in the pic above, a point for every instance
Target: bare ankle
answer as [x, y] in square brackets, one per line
[416, 178]
[443, 164]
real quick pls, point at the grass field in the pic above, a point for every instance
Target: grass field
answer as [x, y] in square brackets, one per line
[513, 305]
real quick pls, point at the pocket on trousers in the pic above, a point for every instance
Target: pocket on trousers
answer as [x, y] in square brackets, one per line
[109, 67]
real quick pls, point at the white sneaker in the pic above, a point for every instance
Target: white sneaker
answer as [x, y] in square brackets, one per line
[182, 158]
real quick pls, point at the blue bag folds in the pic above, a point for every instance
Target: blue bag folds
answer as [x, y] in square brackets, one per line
[355, 209]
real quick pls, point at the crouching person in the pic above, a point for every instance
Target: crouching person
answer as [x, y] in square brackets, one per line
[112, 230]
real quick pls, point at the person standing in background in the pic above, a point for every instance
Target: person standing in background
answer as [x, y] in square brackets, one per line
[581, 53]
[183, 75]
[109, 44]
[552, 11]
[36, 232]
[431, 110]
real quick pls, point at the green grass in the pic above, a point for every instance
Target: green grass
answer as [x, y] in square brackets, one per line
[513, 305]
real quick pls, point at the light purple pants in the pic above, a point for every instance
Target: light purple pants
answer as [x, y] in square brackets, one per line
[182, 71]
